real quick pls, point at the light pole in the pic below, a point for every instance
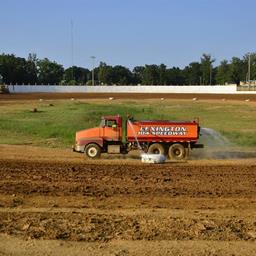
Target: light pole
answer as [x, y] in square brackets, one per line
[249, 71]
[93, 62]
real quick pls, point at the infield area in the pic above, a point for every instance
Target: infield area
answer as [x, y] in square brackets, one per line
[54, 201]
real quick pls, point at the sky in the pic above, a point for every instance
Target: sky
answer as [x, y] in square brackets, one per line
[128, 32]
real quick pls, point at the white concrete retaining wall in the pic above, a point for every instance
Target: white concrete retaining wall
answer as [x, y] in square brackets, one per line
[218, 89]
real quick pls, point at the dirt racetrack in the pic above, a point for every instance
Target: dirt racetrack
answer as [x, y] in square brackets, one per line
[62, 204]
[53, 96]
[54, 202]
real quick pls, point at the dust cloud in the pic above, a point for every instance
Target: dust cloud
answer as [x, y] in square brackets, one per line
[217, 146]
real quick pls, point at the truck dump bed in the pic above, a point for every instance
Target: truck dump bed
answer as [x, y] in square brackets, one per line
[165, 131]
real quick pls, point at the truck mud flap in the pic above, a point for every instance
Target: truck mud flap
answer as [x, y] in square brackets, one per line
[198, 146]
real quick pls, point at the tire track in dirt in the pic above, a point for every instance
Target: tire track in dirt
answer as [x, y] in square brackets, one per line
[54, 96]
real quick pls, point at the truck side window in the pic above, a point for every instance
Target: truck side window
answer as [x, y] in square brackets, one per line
[111, 123]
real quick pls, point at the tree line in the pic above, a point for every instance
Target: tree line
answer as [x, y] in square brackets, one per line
[17, 70]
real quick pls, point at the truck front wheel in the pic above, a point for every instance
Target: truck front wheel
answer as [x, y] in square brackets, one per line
[156, 148]
[92, 151]
[177, 151]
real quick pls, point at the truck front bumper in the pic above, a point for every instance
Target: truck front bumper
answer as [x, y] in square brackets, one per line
[78, 148]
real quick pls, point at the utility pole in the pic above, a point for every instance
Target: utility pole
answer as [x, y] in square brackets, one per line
[93, 63]
[210, 74]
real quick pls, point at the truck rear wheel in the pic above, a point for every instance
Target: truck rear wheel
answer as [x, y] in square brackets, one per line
[156, 148]
[177, 152]
[92, 151]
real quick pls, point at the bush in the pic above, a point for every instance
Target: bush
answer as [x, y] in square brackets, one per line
[4, 89]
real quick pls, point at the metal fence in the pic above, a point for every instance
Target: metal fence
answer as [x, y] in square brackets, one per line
[246, 88]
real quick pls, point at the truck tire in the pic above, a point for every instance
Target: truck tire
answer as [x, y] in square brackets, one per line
[92, 151]
[177, 152]
[156, 148]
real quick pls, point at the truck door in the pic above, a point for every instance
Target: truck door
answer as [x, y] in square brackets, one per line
[111, 130]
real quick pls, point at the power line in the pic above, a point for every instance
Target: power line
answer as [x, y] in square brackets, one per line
[72, 48]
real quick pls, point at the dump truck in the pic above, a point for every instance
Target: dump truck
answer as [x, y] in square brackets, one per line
[174, 139]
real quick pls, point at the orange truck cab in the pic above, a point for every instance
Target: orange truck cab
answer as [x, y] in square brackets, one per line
[170, 138]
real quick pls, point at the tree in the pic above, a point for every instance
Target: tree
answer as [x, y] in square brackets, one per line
[105, 73]
[76, 75]
[193, 73]
[175, 76]
[150, 75]
[223, 73]
[206, 68]
[163, 75]
[49, 72]
[13, 69]
[31, 68]
[138, 72]
[121, 75]
[237, 72]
